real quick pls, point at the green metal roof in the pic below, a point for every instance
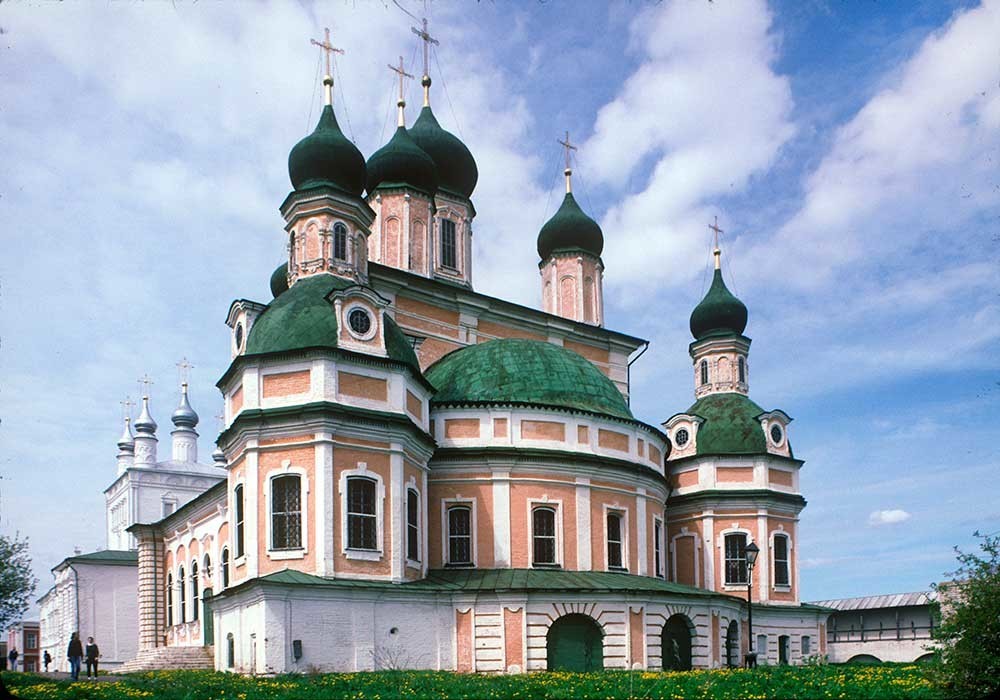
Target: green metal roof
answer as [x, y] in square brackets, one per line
[719, 313]
[402, 163]
[455, 165]
[524, 372]
[301, 317]
[501, 580]
[113, 557]
[569, 228]
[327, 157]
[731, 425]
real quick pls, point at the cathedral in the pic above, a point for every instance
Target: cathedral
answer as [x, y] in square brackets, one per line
[412, 474]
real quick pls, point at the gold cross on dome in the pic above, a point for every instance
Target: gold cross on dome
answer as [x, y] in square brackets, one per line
[327, 48]
[715, 227]
[402, 76]
[144, 383]
[127, 405]
[183, 368]
[568, 147]
[427, 39]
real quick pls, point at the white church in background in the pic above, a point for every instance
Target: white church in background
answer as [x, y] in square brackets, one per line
[97, 593]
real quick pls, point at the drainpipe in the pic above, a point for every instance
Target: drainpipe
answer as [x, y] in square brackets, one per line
[628, 371]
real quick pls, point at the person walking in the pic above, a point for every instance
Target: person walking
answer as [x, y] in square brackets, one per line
[12, 658]
[92, 654]
[74, 652]
[47, 659]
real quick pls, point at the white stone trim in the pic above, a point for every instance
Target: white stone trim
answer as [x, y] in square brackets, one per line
[623, 511]
[417, 563]
[501, 518]
[557, 505]
[270, 475]
[697, 555]
[780, 532]
[584, 555]
[362, 554]
[721, 545]
[470, 503]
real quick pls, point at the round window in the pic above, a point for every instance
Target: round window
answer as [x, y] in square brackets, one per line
[360, 321]
[776, 434]
[239, 336]
[681, 437]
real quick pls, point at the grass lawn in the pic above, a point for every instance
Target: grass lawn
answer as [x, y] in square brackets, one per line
[876, 681]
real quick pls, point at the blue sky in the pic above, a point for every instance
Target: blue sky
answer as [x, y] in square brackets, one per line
[850, 151]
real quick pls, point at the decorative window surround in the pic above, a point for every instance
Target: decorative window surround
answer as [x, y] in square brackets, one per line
[557, 506]
[721, 539]
[362, 554]
[622, 512]
[296, 552]
[447, 503]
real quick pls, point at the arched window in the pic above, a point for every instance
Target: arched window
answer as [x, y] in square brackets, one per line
[543, 536]
[615, 541]
[412, 525]
[181, 587]
[742, 365]
[286, 512]
[291, 250]
[225, 567]
[459, 536]
[206, 568]
[704, 371]
[340, 241]
[658, 548]
[362, 528]
[230, 651]
[448, 244]
[782, 575]
[736, 559]
[194, 591]
[238, 499]
[170, 600]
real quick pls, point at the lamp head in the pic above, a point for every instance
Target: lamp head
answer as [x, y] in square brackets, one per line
[752, 551]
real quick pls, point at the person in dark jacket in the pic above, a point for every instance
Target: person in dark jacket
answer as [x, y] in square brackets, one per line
[12, 658]
[92, 654]
[74, 652]
[47, 659]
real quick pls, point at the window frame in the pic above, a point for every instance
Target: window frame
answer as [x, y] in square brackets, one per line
[696, 550]
[224, 562]
[741, 368]
[556, 510]
[182, 598]
[273, 477]
[787, 585]
[414, 511]
[170, 599]
[360, 517]
[449, 227]
[659, 571]
[195, 592]
[458, 505]
[239, 520]
[376, 554]
[614, 546]
[724, 538]
[703, 373]
[339, 235]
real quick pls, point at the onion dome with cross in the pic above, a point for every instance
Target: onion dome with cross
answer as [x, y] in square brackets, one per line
[326, 158]
[719, 313]
[569, 228]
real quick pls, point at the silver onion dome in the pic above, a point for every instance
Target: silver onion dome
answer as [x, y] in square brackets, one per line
[184, 416]
[145, 423]
[126, 443]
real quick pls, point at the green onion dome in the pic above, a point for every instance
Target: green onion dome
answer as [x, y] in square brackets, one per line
[327, 158]
[279, 280]
[731, 425]
[401, 162]
[525, 372]
[719, 313]
[570, 229]
[456, 167]
[302, 318]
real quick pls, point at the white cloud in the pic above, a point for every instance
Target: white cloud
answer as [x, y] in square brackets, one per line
[888, 517]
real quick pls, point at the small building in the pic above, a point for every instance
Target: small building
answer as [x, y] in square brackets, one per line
[23, 636]
[873, 629]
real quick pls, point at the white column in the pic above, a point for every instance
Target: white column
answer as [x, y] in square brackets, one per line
[501, 519]
[251, 504]
[708, 550]
[584, 556]
[640, 530]
[396, 488]
[764, 558]
[323, 503]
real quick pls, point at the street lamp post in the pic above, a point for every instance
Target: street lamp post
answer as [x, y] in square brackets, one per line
[752, 551]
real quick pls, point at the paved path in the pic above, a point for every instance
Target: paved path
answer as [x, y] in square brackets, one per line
[59, 676]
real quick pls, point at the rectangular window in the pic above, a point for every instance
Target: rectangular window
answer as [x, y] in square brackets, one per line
[614, 541]
[412, 525]
[225, 568]
[170, 600]
[286, 512]
[736, 559]
[761, 648]
[543, 531]
[448, 248]
[340, 241]
[781, 577]
[658, 548]
[806, 646]
[30, 640]
[362, 527]
[168, 508]
[459, 536]
[238, 498]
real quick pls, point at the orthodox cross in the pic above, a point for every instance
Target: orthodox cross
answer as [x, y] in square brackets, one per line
[569, 170]
[327, 48]
[428, 40]
[222, 421]
[402, 76]
[716, 252]
[127, 405]
[183, 368]
[144, 382]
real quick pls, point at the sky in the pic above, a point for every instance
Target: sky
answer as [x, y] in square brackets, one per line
[849, 149]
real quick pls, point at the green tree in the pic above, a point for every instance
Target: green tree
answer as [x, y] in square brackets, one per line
[17, 583]
[969, 634]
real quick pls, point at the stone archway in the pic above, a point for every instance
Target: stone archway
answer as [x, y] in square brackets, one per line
[675, 643]
[733, 645]
[575, 643]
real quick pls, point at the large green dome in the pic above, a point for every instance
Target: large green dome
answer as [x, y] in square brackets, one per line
[326, 158]
[456, 167]
[719, 313]
[731, 425]
[301, 317]
[518, 371]
[570, 229]
[402, 162]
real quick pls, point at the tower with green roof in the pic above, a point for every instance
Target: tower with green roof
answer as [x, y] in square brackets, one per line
[570, 246]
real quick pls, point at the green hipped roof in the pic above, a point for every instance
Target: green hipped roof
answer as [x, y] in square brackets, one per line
[123, 557]
[302, 318]
[500, 581]
[525, 372]
[570, 229]
[327, 157]
[457, 171]
[279, 280]
[401, 162]
[719, 313]
[731, 425]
